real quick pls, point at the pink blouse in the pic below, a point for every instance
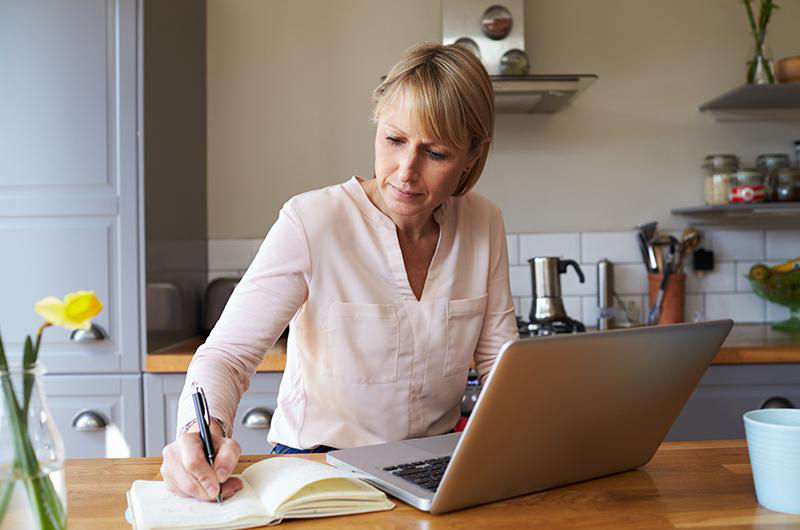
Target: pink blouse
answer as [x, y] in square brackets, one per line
[366, 361]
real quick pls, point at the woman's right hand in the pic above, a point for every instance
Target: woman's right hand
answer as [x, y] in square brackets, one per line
[188, 474]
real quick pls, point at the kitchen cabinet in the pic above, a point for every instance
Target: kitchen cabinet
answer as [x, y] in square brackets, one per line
[251, 424]
[98, 416]
[725, 392]
[102, 188]
[68, 175]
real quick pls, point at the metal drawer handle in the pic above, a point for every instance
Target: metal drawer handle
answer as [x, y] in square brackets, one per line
[93, 334]
[89, 421]
[258, 418]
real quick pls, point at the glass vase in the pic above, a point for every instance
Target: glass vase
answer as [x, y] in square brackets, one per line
[759, 69]
[33, 490]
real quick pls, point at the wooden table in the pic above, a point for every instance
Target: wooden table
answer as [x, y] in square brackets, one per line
[686, 485]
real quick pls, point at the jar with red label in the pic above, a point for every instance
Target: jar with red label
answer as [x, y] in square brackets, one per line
[747, 185]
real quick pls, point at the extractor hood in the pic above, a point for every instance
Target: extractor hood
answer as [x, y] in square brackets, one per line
[496, 34]
[541, 94]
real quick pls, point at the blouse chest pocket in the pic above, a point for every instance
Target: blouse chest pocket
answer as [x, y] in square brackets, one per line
[464, 324]
[362, 342]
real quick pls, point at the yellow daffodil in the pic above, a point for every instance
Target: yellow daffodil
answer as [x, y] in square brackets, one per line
[75, 312]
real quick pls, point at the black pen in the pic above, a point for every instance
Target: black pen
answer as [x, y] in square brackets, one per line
[203, 421]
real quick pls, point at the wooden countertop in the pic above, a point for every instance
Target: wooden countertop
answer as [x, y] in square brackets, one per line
[685, 485]
[747, 344]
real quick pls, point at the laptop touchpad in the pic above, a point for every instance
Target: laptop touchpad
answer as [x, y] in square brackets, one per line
[436, 445]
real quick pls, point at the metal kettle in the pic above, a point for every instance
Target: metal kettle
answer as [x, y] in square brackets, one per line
[546, 274]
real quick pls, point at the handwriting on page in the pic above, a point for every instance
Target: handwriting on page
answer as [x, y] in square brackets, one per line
[167, 509]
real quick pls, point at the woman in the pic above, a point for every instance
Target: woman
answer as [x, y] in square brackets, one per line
[392, 285]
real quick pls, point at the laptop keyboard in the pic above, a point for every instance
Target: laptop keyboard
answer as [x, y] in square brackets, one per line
[424, 473]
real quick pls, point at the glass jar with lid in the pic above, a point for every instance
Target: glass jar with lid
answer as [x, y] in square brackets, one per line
[719, 169]
[787, 184]
[768, 165]
[746, 185]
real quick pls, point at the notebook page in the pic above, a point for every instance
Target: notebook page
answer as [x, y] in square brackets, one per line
[277, 479]
[155, 507]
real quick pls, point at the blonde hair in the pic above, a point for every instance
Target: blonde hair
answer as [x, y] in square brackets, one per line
[451, 93]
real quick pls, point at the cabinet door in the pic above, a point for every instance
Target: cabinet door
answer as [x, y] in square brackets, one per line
[161, 393]
[714, 412]
[68, 174]
[99, 416]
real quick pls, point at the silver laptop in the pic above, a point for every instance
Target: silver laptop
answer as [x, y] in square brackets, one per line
[554, 411]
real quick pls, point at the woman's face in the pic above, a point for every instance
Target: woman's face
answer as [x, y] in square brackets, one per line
[414, 174]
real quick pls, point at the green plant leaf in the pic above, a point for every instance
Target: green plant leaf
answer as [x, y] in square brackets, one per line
[6, 489]
[41, 491]
[3, 362]
[28, 361]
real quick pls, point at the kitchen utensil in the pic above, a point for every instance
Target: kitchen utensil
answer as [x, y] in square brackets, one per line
[647, 231]
[546, 274]
[655, 311]
[644, 249]
[672, 302]
[659, 256]
[605, 294]
[661, 242]
[690, 240]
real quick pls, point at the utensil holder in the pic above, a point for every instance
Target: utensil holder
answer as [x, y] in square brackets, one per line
[672, 311]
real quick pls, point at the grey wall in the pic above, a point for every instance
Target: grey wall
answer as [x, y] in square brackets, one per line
[289, 86]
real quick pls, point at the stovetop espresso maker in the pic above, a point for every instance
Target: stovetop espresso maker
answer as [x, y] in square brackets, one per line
[547, 306]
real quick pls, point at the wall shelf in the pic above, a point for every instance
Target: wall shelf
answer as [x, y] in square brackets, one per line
[754, 215]
[779, 102]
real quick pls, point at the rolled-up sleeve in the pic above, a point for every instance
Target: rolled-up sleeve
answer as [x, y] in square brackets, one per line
[499, 323]
[271, 292]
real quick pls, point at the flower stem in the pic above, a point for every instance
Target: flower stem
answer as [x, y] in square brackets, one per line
[41, 491]
[6, 489]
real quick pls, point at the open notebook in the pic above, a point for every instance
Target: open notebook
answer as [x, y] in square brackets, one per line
[273, 489]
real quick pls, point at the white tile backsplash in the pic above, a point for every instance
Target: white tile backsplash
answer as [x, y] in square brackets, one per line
[525, 307]
[571, 283]
[783, 245]
[562, 245]
[590, 311]
[721, 280]
[722, 293]
[574, 307]
[735, 244]
[630, 279]
[520, 277]
[634, 305]
[694, 307]
[617, 247]
[742, 270]
[777, 313]
[741, 307]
